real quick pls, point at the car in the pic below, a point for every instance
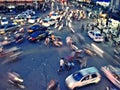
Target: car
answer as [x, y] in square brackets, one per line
[36, 27]
[54, 16]
[19, 19]
[113, 74]
[38, 35]
[8, 27]
[4, 21]
[83, 77]
[47, 22]
[95, 35]
[30, 12]
[33, 19]
[26, 15]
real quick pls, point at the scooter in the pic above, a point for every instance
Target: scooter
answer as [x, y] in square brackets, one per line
[53, 85]
[16, 84]
[73, 47]
[19, 37]
[110, 88]
[60, 27]
[56, 24]
[116, 43]
[15, 79]
[57, 43]
[69, 65]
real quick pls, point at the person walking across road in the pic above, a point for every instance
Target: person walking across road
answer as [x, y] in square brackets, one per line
[62, 63]
[47, 40]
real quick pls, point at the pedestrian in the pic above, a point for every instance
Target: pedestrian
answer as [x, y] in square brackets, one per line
[101, 30]
[47, 40]
[62, 63]
[83, 62]
[82, 28]
[69, 40]
[87, 27]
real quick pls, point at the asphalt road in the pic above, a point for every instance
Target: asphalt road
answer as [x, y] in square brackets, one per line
[39, 64]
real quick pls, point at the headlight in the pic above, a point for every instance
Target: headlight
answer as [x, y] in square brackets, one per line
[70, 85]
[30, 30]
[2, 32]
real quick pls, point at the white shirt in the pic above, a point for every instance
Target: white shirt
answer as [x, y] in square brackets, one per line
[61, 62]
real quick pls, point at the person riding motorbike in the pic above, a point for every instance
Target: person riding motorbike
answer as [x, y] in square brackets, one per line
[53, 85]
[57, 42]
[19, 37]
[15, 79]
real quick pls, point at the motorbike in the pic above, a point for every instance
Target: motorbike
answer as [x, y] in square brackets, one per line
[115, 43]
[69, 65]
[56, 24]
[116, 51]
[89, 52]
[15, 79]
[56, 41]
[73, 47]
[60, 27]
[53, 85]
[110, 88]
[19, 37]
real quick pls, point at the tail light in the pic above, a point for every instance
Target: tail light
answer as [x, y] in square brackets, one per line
[100, 76]
[33, 39]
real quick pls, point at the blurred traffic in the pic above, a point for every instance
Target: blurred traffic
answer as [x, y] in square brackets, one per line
[71, 33]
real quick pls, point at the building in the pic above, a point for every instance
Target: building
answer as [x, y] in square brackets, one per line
[21, 3]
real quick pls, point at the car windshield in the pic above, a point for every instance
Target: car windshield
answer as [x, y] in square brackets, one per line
[4, 20]
[54, 14]
[98, 34]
[12, 25]
[2, 26]
[45, 21]
[34, 27]
[35, 34]
[77, 76]
[33, 17]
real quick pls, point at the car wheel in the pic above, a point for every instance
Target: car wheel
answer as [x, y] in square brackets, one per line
[76, 88]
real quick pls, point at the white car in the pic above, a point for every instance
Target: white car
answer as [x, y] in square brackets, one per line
[113, 74]
[4, 21]
[54, 16]
[95, 35]
[32, 19]
[47, 22]
[83, 77]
